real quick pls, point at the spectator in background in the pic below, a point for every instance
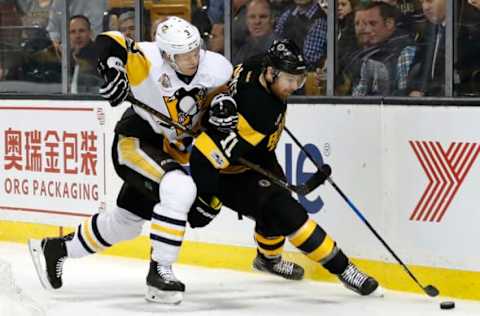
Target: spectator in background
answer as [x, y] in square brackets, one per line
[239, 24]
[468, 44]
[35, 15]
[216, 11]
[45, 64]
[84, 56]
[203, 22]
[411, 17]
[216, 41]
[10, 38]
[346, 45]
[110, 18]
[306, 25]
[279, 6]
[427, 75]
[93, 9]
[260, 27]
[324, 5]
[346, 38]
[382, 65]
[155, 24]
[35, 36]
[126, 24]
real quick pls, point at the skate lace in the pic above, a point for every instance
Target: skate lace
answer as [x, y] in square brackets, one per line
[59, 266]
[353, 276]
[284, 267]
[166, 273]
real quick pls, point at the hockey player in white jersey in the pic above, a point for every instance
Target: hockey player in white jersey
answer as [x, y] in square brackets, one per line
[174, 76]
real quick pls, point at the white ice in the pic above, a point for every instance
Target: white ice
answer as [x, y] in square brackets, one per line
[104, 286]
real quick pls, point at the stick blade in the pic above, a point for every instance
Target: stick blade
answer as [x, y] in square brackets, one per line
[431, 290]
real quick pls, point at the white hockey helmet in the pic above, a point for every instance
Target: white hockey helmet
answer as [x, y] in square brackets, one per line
[176, 36]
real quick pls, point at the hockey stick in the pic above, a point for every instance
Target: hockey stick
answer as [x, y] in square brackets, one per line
[430, 290]
[302, 189]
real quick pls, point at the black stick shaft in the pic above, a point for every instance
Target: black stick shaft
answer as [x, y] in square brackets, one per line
[357, 211]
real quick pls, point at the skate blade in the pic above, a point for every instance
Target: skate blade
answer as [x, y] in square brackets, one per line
[163, 297]
[38, 258]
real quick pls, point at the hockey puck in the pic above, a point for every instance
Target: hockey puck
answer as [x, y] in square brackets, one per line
[447, 305]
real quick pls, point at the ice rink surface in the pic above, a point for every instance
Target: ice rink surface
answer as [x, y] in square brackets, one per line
[111, 286]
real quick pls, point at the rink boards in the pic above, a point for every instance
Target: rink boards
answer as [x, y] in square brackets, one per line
[411, 170]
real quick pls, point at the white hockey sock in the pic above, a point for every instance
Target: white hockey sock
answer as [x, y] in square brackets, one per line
[102, 230]
[169, 218]
[166, 233]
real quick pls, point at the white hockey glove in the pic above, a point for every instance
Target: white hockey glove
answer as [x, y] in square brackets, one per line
[202, 212]
[116, 87]
[223, 113]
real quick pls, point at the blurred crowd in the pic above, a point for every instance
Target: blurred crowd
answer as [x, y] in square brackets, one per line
[383, 47]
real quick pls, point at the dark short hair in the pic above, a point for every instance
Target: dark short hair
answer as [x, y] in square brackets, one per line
[82, 17]
[264, 2]
[387, 11]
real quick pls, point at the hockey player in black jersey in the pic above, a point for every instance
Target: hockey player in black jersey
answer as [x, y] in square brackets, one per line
[249, 126]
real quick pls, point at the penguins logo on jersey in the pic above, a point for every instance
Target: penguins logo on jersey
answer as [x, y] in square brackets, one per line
[183, 105]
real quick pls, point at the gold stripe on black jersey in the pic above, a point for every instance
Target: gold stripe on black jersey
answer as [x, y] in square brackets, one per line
[312, 240]
[208, 148]
[131, 155]
[247, 132]
[270, 246]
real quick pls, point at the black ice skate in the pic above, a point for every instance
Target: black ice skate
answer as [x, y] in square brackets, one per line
[357, 281]
[163, 286]
[278, 266]
[48, 256]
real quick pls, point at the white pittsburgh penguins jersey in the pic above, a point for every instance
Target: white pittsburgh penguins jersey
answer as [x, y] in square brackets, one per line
[156, 84]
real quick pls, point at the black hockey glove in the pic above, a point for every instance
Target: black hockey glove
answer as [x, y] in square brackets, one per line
[318, 178]
[223, 114]
[116, 87]
[202, 212]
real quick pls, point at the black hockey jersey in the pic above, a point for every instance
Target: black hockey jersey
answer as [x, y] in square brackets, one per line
[261, 121]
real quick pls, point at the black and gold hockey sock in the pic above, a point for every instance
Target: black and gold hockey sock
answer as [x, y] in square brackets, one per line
[270, 247]
[314, 242]
[269, 258]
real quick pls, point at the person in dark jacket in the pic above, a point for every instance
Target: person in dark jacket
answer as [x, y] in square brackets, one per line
[382, 64]
[260, 27]
[427, 75]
